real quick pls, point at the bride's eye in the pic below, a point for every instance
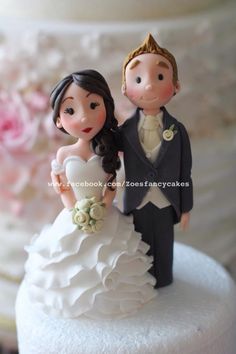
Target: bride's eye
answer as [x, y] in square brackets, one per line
[69, 110]
[93, 105]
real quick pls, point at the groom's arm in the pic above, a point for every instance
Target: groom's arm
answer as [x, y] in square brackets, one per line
[186, 192]
[118, 135]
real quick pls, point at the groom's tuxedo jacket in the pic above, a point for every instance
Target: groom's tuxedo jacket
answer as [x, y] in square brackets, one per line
[171, 170]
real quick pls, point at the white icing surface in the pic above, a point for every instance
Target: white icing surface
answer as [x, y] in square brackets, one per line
[195, 315]
[13, 238]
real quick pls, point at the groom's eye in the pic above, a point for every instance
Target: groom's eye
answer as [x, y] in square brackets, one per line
[138, 79]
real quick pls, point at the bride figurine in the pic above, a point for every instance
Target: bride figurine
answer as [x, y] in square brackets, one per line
[90, 261]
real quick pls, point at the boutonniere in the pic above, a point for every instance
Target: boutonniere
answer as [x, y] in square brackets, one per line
[169, 134]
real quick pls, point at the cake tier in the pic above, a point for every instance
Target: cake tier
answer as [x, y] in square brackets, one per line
[8, 293]
[197, 314]
[13, 237]
[95, 10]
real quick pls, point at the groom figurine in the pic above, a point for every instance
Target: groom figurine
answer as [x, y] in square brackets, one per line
[157, 154]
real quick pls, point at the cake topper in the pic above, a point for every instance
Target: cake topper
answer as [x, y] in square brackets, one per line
[157, 154]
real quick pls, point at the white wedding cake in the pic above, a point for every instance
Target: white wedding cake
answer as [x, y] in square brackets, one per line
[42, 43]
[196, 314]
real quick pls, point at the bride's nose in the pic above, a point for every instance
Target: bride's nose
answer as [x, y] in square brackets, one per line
[83, 118]
[82, 114]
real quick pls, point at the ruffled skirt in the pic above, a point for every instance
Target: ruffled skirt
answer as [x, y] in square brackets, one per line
[70, 273]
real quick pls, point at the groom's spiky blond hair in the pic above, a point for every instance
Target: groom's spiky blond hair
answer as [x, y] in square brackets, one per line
[150, 46]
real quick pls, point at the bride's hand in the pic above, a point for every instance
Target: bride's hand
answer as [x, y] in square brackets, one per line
[59, 185]
[55, 182]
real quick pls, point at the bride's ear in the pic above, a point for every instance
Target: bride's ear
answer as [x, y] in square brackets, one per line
[123, 89]
[58, 122]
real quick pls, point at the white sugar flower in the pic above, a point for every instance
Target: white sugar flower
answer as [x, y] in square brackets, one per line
[169, 134]
[87, 229]
[97, 211]
[82, 204]
[93, 200]
[80, 218]
[97, 226]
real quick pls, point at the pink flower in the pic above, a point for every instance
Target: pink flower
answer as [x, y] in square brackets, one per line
[38, 101]
[18, 130]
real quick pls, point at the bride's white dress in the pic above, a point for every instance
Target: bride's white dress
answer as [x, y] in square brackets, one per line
[102, 275]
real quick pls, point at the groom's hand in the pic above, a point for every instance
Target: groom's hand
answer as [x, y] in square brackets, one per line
[184, 221]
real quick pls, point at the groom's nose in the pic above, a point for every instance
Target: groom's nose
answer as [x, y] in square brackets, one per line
[148, 87]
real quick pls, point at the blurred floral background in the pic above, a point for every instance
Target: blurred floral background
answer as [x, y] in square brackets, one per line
[39, 45]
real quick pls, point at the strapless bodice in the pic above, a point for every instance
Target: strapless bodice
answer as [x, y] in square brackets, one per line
[87, 178]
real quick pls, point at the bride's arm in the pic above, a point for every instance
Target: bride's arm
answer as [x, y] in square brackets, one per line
[61, 184]
[66, 192]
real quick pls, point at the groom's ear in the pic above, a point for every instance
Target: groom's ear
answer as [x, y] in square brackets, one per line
[177, 87]
[123, 89]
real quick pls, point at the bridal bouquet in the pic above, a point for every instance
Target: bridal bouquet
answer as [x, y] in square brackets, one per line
[88, 214]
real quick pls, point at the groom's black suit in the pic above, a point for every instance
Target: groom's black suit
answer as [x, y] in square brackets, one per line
[172, 166]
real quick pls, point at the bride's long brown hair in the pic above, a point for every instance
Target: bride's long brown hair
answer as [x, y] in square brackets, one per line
[104, 142]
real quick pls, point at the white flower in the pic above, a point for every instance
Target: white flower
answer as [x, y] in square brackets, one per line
[82, 204]
[80, 218]
[93, 200]
[87, 229]
[87, 214]
[168, 135]
[97, 211]
[97, 226]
